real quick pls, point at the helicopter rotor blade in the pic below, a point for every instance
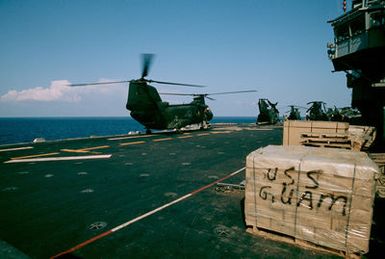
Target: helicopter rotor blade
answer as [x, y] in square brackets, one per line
[234, 92]
[177, 94]
[206, 95]
[101, 83]
[147, 60]
[171, 83]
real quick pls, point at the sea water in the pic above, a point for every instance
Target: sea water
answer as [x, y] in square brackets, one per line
[19, 130]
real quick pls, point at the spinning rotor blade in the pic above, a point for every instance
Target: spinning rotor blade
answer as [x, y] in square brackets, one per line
[101, 83]
[147, 60]
[170, 83]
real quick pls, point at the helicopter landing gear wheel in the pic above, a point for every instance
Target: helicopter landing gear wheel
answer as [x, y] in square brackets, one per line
[204, 125]
[148, 131]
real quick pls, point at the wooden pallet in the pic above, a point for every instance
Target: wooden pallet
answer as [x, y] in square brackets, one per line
[336, 136]
[326, 140]
[362, 137]
[279, 237]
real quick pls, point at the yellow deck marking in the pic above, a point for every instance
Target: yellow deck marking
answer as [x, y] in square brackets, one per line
[32, 156]
[84, 150]
[46, 159]
[74, 150]
[132, 143]
[203, 134]
[221, 132]
[189, 136]
[131, 137]
[93, 148]
[161, 139]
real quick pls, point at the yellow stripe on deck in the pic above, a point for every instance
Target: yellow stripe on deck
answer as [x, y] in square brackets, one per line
[188, 136]
[93, 148]
[161, 139]
[84, 150]
[47, 159]
[74, 150]
[131, 137]
[221, 132]
[203, 134]
[32, 156]
[132, 143]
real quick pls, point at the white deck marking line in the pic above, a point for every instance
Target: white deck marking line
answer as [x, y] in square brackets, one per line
[63, 158]
[126, 224]
[203, 134]
[132, 143]
[269, 129]
[131, 137]
[33, 156]
[15, 149]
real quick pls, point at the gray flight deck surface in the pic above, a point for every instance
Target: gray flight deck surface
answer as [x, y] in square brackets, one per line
[47, 207]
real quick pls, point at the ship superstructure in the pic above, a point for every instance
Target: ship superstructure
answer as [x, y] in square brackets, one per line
[359, 50]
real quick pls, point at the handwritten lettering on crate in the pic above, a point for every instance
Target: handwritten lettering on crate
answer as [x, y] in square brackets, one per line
[310, 196]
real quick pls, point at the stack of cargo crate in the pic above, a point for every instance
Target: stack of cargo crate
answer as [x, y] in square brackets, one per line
[299, 132]
[328, 134]
[320, 197]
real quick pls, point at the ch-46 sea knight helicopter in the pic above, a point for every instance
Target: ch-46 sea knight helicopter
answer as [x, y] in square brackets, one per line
[294, 113]
[317, 111]
[268, 112]
[147, 107]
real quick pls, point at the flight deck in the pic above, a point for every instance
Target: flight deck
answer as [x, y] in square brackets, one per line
[164, 195]
[137, 196]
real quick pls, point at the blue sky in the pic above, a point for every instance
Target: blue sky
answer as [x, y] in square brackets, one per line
[276, 47]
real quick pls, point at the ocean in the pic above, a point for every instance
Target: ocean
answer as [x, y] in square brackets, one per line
[20, 130]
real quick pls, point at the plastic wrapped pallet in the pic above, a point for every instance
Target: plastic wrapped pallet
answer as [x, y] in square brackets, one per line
[324, 196]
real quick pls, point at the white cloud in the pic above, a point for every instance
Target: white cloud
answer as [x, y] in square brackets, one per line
[58, 91]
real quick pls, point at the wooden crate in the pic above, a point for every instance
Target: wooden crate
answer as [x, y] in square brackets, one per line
[292, 129]
[320, 196]
[327, 140]
[328, 134]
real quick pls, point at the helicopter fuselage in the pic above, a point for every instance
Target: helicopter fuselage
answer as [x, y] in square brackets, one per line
[268, 113]
[146, 107]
